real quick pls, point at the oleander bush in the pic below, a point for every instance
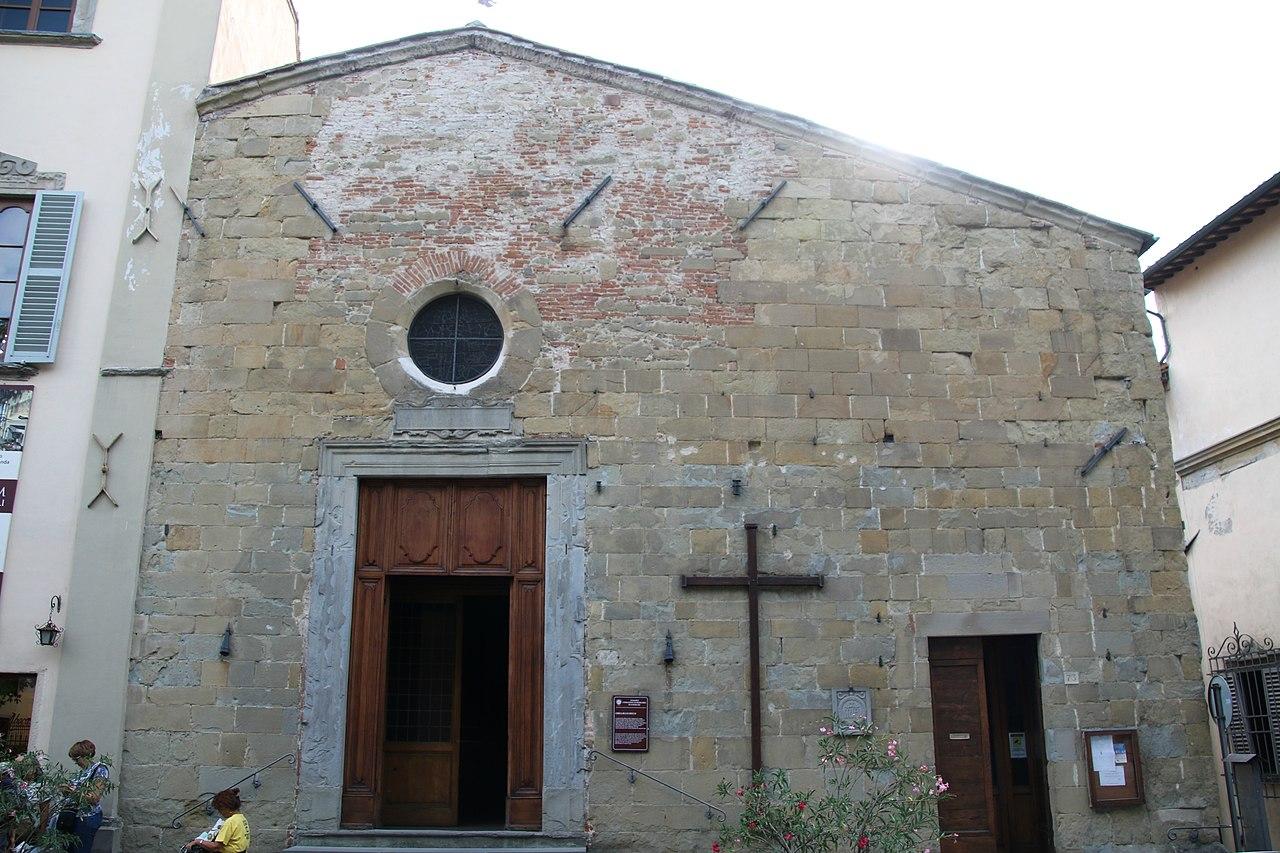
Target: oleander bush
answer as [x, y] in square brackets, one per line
[873, 799]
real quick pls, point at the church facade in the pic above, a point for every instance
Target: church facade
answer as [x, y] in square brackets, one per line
[489, 352]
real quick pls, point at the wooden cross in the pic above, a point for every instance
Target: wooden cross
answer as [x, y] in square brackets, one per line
[754, 582]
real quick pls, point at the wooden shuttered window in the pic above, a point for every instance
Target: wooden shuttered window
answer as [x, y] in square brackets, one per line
[42, 284]
[1255, 723]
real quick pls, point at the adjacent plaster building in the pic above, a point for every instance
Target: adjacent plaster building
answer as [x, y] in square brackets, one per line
[486, 347]
[96, 141]
[1217, 294]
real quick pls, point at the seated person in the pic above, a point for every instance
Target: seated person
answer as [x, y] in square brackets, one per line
[232, 834]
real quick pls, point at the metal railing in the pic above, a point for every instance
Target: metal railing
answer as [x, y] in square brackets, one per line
[206, 798]
[632, 772]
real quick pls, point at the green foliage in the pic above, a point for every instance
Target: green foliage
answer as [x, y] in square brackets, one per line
[873, 799]
[33, 791]
[13, 686]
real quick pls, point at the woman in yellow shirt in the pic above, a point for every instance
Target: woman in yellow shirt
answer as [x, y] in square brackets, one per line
[233, 835]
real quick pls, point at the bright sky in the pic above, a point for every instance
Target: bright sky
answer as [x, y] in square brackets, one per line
[1155, 114]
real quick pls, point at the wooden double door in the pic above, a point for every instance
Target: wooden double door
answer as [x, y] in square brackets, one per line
[988, 735]
[444, 699]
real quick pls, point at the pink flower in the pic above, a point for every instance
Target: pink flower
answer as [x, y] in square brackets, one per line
[751, 824]
[738, 792]
[800, 806]
[863, 842]
[786, 836]
[824, 730]
[715, 847]
[840, 759]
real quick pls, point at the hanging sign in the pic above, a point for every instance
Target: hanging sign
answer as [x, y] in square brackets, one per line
[15, 410]
[1220, 707]
[630, 723]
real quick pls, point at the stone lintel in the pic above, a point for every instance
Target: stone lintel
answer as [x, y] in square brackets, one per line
[531, 457]
[454, 421]
[981, 624]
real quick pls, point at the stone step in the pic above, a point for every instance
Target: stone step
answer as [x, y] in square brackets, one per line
[311, 848]
[433, 841]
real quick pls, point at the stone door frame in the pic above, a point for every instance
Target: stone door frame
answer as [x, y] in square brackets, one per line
[328, 633]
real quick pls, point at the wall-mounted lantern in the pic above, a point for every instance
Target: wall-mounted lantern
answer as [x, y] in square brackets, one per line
[225, 649]
[48, 633]
[669, 652]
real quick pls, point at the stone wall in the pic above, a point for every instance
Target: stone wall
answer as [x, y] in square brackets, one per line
[906, 380]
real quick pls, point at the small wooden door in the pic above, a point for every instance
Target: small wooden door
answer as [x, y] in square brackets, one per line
[439, 531]
[957, 682]
[988, 739]
[423, 696]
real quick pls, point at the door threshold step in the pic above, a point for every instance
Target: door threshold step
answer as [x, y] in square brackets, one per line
[406, 848]
[434, 841]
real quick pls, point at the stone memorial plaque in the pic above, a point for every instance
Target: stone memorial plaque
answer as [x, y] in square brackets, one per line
[852, 707]
[630, 723]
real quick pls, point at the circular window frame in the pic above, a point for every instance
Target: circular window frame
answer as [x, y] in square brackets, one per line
[420, 376]
[387, 342]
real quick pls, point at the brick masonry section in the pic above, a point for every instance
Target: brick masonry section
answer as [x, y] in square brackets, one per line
[906, 380]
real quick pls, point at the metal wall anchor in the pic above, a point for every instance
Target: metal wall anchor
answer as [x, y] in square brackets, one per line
[186, 211]
[762, 205]
[311, 202]
[586, 202]
[106, 469]
[149, 199]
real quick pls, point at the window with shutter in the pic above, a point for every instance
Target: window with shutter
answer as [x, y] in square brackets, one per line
[42, 283]
[1255, 701]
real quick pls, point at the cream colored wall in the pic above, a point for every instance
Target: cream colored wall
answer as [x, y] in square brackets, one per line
[92, 136]
[253, 35]
[1233, 566]
[106, 116]
[1223, 313]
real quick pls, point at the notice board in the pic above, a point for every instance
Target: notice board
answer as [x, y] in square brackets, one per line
[1114, 767]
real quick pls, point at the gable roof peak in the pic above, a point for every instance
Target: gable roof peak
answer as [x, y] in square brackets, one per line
[476, 36]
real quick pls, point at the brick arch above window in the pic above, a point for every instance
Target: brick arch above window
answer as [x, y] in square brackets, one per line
[427, 278]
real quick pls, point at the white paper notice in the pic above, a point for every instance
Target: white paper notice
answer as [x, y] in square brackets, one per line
[1104, 751]
[1110, 774]
[1111, 777]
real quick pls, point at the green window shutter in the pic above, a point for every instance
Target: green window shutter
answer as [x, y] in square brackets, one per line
[42, 284]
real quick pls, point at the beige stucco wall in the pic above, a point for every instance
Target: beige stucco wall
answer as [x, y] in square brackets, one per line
[93, 138]
[1233, 563]
[253, 35]
[1222, 314]
[125, 112]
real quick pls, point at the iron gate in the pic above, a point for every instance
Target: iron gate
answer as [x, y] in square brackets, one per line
[1252, 669]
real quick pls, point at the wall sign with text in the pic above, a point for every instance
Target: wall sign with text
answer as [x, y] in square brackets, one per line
[630, 723]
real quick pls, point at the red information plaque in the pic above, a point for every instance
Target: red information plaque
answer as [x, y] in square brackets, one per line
[630, 723]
